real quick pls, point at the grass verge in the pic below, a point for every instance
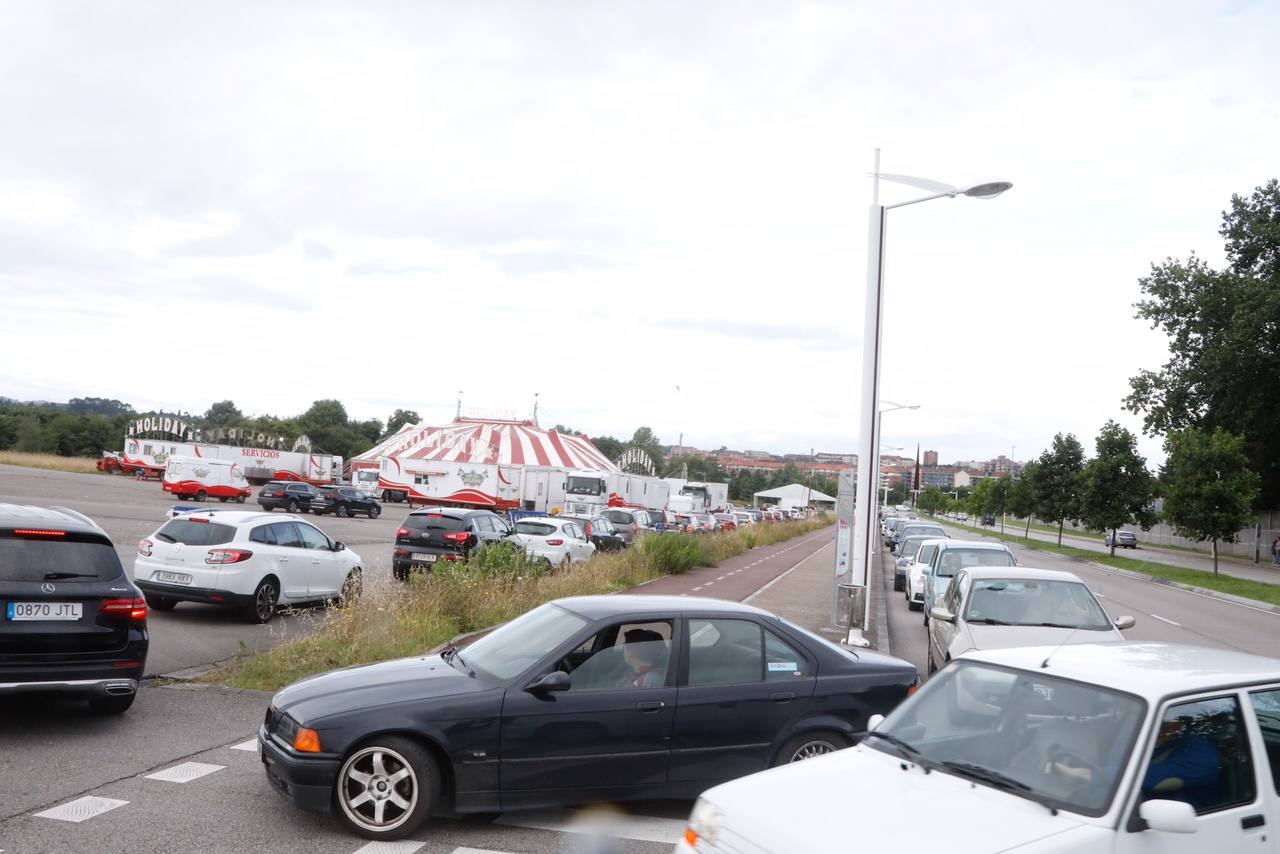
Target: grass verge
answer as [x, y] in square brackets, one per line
[52, 462]
[1258, 590]
[396, 620]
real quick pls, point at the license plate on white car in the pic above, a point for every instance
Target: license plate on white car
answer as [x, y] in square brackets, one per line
[171, 577]
[425, 558]
[44, 610]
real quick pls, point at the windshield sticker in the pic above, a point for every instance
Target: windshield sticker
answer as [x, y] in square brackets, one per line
[782, 667]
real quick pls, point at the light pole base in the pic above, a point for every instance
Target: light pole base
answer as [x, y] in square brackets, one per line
[855, 638]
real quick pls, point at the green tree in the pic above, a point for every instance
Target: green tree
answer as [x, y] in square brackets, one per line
[612, 448]
[897, 492]
[224, 413]
[1115, 486]
[29, 439]
[931, 500]
[1022, 496]
[1057, 481]
[645, 440]
[1209, 487]
[976, 502]
[998, 498]
[401, 417]
[1224, 365]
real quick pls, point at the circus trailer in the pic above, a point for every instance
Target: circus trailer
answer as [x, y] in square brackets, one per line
[195, 478]
[637, 490]
[259, 465]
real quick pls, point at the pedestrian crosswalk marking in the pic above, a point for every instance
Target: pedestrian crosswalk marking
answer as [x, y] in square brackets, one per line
[249, 746]
[81, 809]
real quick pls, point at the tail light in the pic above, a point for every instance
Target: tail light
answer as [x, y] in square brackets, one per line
[144, 547]
[588, 528]
[456, 536]
[401, 552]
[402, 532]
[556, 542]
[221, 556]
[37, 532]
[134, 609]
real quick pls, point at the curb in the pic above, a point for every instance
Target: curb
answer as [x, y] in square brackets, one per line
[1155, 579]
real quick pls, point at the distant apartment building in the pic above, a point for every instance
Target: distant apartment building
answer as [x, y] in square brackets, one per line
[1002, 465]
[943, 477]
[931, 458]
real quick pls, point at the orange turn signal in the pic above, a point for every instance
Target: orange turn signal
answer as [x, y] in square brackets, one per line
[306, 741]
[691, 837]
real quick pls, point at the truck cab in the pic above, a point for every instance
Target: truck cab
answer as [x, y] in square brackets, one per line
[585, 492]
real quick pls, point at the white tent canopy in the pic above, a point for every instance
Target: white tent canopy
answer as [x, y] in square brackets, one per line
[793, 495]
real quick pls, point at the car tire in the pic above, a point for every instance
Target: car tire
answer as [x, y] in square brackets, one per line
[201, 495]
[809, 745]
[161, 603]
[913, 605]
[400, 573]
[930, 667]
[265, 598]
[239, 499]
[374, 513]
[222, 498]
[565, 563]
[292, 506]
[352, 588]
[342, 511]
[379, 761]
[116, 705]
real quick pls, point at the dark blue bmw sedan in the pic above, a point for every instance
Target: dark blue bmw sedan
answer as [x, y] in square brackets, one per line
[594, 698]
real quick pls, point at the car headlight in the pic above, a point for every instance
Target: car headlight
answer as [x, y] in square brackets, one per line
[704, 823]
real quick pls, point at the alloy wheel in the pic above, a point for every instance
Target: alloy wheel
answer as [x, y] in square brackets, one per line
[810, 749]
[377, 789]
[264, 603]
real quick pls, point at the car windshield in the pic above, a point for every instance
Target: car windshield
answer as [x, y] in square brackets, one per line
[584, 486]
[910, 545]
[515, 647]
[367, 476]
[1034, 602]
[1070, 739]
[956, 559]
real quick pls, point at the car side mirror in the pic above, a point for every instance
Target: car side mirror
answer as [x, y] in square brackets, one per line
[874, 722]
[556, 680]
[941, 614]
[1168, 816]
[1125, 622]
[338, 547]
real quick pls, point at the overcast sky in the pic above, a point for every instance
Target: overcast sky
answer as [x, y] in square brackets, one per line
[599, 202]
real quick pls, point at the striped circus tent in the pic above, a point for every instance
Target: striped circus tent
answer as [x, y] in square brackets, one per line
[483, 441]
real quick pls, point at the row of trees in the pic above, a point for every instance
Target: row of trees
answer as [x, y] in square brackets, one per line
[1207, 485]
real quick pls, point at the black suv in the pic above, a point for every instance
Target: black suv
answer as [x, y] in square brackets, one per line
[294, 496]
[601, 532]
[345, 501]
[72, 621]
[443, 533]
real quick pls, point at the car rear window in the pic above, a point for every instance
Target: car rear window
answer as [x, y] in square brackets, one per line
[620, 517]
[58, 560]
[191, 533]
[537, 529]
[433, 522]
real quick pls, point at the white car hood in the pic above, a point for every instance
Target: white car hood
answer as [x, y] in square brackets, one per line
[861, 799]
[1003, 637]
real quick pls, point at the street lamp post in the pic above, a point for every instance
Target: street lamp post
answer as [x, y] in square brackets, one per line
[873, 331]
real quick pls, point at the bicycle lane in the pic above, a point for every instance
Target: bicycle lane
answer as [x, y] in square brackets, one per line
[738, 577]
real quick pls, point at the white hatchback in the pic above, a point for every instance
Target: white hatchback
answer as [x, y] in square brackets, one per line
[246, 560]
[559, 542]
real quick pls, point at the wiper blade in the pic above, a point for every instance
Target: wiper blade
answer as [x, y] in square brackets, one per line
[905, 746]
[166, 538]
[986, 775]
[991, 622]
[54, 576]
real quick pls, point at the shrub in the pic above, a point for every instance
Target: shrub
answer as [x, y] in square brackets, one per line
[671, 554]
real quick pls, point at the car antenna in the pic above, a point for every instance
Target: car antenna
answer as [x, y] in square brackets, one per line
[1045, 664]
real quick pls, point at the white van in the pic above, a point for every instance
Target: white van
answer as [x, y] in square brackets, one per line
[198, 478]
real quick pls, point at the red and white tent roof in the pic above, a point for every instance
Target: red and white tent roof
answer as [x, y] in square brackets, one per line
[490, 442]
[384, 447]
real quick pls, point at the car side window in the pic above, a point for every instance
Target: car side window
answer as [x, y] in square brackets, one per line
[572, 530]
[1266, 708]
[622, 656]
[782, 661]
[501, 527]
[264, 534]
[926, 554]
[1201, 757]
[286, 534]
[313, 539]
[483, 524]
[723, 652]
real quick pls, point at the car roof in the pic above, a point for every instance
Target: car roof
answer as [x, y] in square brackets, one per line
[597, 607]
[455, 512]
[62, 518]
[1013, 573]
[976, 544]
[1152, 670]
[237, 517]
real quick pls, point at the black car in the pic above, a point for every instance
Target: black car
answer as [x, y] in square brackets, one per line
[443, 533]
[593, 698]
[345, 501]
[294, 496]
[600, 531]
[72, 622]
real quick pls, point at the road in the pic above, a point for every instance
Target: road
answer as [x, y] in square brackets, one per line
[56, 754]
[1163, 613]
[192, 634]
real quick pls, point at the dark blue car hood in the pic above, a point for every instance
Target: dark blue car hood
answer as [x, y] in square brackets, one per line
[366, 686]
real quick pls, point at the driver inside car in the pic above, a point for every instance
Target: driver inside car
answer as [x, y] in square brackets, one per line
[645, 653]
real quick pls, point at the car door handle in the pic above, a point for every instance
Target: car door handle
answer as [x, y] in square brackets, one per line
[651, 706]
[1249, 822]
[783, 696]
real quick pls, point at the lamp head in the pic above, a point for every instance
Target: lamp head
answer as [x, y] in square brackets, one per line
[988, 190]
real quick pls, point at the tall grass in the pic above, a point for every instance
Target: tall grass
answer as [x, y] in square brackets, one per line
[52, 462]
[395, 619]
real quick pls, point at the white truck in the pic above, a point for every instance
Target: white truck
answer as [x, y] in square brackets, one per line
[198, 478]
[694, 496]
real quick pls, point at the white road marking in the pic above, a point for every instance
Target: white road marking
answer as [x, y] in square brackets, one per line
[477, 851]
[721, 577]
[696, 589]
[185, 773]
[81, 809]
[638, 827]
[250, 746]
[708, 584]
[1166, 620]
[403, 846]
